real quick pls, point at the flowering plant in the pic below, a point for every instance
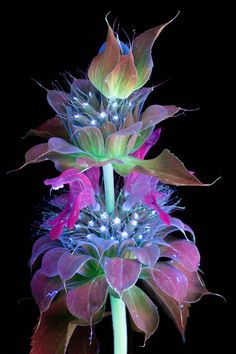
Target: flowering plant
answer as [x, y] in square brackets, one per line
[100, 238]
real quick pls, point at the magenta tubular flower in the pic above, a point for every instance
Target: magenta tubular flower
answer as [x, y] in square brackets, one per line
[81, 195]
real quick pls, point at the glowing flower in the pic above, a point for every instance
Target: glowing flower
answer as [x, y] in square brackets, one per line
[120, 69]
[81, 195]
[102, 253]
[101, 121]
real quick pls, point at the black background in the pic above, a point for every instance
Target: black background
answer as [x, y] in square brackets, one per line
[42, 41]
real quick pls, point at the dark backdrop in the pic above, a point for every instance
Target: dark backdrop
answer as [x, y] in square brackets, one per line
[42, 41]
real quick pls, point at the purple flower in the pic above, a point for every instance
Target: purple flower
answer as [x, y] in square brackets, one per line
[96, 253]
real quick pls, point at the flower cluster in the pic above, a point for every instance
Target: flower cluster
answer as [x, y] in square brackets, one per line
[97, 240]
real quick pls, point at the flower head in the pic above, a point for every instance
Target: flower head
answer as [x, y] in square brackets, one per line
[97, 253]
[119, 69]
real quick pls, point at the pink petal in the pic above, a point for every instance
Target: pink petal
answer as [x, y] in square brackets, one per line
[143, 150]
[150, 200]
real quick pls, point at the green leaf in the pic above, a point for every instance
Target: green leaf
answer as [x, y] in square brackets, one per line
[142, 48]
[91, 140]
[104, 63]
[117, 143]
[166, 167]
[142, 310]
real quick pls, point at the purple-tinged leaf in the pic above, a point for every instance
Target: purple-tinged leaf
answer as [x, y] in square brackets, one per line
[81, 340]
[124, 245]
[178, 312]
[170, 280]
[58, 100]
[107, 128]
[175, 225]
[44, 289]
[50, 261]
[183, 252]
[142, 310]
[86, 300]
[49, 129]
[54, 330]
[102, 244]
[70, 264]
[155, 114]
[121, 274]
[196, 286]
[42, 245]
[147, 255]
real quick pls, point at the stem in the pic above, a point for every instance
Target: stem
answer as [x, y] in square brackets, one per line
[117, 305]
[109, 187]
[119, 325]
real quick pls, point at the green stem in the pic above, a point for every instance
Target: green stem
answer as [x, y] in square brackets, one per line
[119, 325]
[117, 305]
[109, 187]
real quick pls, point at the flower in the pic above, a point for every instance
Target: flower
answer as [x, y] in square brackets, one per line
[83, 147]
[100, 120]
[120, 69]
[100, 253]
[81, 195]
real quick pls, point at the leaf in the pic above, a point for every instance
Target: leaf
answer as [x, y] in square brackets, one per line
[142, 310]
[50, 261]
[166, 167]
[80, 342]
[57, 331]
[70, 264]
[123, 78]
[196, 286]
[179, 313]
[57, 150]
[91, 140]
[103, 64]
[147, 255]
[107, 128]
[116, 143]
[170, 280]
[86, 300]
[183, 252]
[44, 289]
[155, 114]
[142, 48]
[49, 129]
[59, 101]
[121, 274]
[42, 245]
